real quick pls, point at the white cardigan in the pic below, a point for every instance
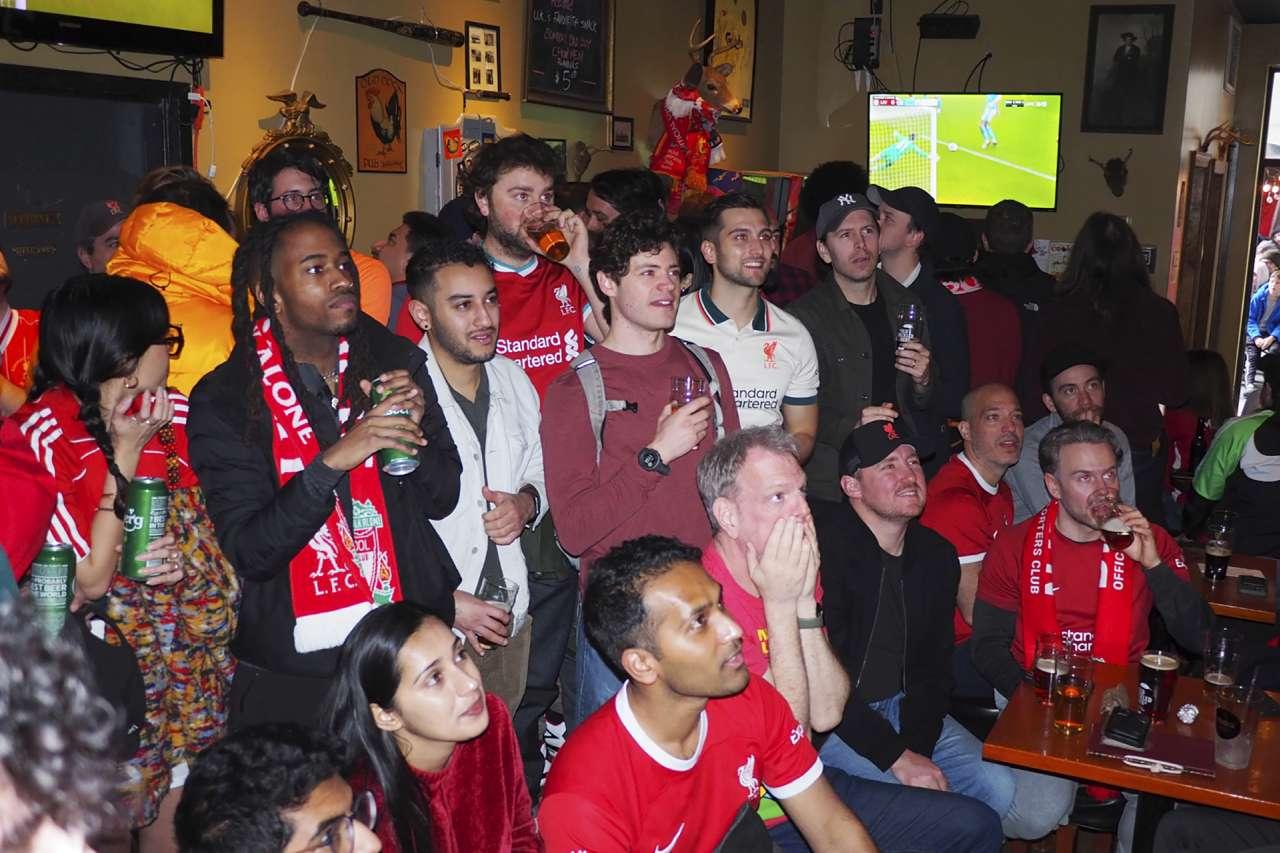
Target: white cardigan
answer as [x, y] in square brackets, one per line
[513, 458]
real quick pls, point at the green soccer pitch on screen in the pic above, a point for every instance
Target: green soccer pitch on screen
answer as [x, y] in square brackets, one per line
[967, 150]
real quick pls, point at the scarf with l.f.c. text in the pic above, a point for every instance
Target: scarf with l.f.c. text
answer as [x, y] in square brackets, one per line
[1039, 612]
[346, 569]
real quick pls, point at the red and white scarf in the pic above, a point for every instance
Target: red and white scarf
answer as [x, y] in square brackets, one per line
[339, 576]
[1111, 635]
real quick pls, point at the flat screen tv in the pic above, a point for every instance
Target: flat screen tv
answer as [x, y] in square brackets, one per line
[173, 27]
[967, 150]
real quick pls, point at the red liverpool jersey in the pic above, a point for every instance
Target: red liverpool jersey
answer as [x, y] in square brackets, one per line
[543, 308]
[19, 334]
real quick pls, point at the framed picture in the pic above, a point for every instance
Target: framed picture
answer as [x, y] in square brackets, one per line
[561, 147]
[622, 133]
[484, 61]
[1127, 71]
[1235, 32]
[568, 54]
[734, 24]
[381, 99]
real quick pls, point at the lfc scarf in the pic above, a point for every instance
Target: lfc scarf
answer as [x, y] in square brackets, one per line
[1039, 613]
[339, 575]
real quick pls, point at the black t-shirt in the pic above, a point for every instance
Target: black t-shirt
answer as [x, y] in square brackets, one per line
[883, 373]
[882, 672]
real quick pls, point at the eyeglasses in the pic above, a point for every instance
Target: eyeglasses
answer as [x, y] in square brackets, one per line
[174, 341]
[340, 835]
[295, 201]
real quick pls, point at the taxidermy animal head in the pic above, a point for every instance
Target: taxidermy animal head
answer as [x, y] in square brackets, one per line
[1115, 172]
[711, 81]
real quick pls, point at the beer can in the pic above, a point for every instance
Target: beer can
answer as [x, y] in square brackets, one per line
[146, 510]
[50, 584]
[393, 460]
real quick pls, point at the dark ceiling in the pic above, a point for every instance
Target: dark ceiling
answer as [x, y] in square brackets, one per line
[1259, 11]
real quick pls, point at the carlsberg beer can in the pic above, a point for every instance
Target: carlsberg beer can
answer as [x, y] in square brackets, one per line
[393, 460]
[50, 585]
[147, 507]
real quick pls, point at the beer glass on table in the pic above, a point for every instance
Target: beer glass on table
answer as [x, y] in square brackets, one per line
[1071, 690]
[1049, 664]
[1157, 675]
[1221, 658]
[1234, 722]
[1219, 544]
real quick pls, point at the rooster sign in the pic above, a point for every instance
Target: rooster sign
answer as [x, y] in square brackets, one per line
[380, 122]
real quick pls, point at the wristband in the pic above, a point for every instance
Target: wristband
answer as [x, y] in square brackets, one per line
[814, 621]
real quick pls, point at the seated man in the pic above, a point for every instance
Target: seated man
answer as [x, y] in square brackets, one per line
[1080, 461]
[969, 504]
[765, 558]
[1074, 390]
[274, 788]
[1241, 472]
[889, 590]
[682, 751]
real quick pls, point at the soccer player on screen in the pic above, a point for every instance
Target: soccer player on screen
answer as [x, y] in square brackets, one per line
[886, 159]
[989, 112]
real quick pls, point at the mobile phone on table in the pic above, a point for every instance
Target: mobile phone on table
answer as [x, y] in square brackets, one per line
[1249, 585]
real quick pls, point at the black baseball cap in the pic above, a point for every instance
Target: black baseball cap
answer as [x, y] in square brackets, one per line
[833, 212]
[869, 444]
[1066, 356]
[97, 218]
[912, 200]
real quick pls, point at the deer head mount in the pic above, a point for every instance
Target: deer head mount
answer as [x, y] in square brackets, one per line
[1115, 172]
[711, 81]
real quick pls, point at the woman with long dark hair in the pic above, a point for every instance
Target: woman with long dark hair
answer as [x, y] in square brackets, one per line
[99, 415]
[1106, 303]
[438, 753]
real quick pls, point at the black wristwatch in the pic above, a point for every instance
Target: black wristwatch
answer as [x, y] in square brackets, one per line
[651, 460]
[532, 492]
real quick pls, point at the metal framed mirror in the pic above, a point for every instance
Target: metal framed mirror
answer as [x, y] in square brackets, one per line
[299, 132]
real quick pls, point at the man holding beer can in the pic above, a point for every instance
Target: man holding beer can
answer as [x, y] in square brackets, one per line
[1088, 569]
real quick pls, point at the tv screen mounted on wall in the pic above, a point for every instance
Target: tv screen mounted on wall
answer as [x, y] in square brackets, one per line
[171, 27]
[967, 150]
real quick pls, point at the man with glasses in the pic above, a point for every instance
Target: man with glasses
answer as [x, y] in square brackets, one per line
[769, 353]
[274, 787]
[286, 182]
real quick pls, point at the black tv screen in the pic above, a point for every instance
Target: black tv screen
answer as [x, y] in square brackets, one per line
[967, 150]
[172, 27]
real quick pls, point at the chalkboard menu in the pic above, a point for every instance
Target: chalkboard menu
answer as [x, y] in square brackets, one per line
[568, 53]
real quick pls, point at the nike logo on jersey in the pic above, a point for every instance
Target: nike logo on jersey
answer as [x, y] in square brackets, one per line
[672, 845]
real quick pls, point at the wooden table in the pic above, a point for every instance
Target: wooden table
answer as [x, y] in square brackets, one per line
[1024, 736]
[1225, 599]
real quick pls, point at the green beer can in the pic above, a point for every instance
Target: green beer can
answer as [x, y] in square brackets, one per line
[146, 508]
[50, 584]
[394, 461]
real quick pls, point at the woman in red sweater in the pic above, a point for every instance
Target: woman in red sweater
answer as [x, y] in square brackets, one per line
[438, 753]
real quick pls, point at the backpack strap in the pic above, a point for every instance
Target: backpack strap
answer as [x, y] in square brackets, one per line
[588, 372]
[713, 381]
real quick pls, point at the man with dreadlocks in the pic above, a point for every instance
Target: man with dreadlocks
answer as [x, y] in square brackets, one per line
[285, 438]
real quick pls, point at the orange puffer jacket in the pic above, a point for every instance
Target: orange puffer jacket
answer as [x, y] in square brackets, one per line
[188, 259]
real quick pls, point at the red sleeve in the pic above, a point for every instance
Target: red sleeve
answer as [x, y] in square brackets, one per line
[572, 823]
[959, 519]
[1170, 554]
[998, 582]
[790, 764]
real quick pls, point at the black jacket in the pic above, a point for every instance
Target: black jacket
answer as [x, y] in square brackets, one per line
[1019, 278]
[851, 575]
[845, 373]
[950, 336]
[262, 526]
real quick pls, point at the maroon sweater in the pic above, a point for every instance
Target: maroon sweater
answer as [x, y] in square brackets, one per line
[599, 506]
[479, 801]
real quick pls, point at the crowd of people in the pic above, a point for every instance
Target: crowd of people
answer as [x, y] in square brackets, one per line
[686, 540]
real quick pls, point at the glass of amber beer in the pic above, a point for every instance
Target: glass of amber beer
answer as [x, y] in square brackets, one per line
[1071, 691]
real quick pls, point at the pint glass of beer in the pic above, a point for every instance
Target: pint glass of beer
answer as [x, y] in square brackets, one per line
[1071, 690]
[1157, 674]
[1049, 664]
[1219, 545]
